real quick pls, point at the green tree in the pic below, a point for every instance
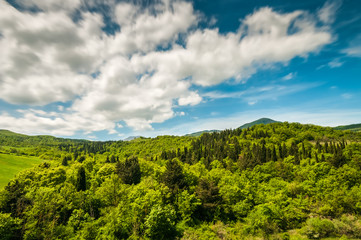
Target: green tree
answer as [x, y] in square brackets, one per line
[173, 177]
[81, 179]
[208, 192]
[129, 170]
[160, 223]
[65, 160]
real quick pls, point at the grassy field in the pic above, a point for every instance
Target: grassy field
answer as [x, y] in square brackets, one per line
[10, 165]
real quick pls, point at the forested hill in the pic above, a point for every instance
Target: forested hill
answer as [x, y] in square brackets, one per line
[259, 121]
[246, 125]
[352, 127]
[273, 181]
[8, 138]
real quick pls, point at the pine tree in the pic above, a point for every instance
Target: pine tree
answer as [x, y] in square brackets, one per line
[129, 170]
[65, 161]
[173, 177]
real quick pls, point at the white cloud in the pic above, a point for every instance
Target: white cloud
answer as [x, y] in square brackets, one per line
[210, 58]
[335, 63]
[51, 5]
[289, 76]
[354, 49]
[46, 57]
[191, 99]
[327, 13]
[142, 74]
[143, 31]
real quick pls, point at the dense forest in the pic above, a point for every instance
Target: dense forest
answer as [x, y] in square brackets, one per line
[273, 181]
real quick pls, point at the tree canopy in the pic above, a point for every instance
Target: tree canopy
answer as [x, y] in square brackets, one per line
[273, 181]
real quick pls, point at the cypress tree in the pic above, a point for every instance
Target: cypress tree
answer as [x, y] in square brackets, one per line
[81, 180]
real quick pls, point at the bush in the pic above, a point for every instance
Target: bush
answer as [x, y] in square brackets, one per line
[348, 226]
[9, 227]
[317, 228]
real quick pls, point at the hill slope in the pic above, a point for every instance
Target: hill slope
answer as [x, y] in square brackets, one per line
[259, 121]
[273, 181]
[352, 127]
[197, 134]
[247, 125]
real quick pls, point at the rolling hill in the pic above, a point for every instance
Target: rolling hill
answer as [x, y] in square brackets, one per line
[265, 181]
[259, 121]
[246, 125]
[352, 127]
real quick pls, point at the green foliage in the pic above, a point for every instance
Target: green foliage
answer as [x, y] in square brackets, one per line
[160, 223]
[173, 177]
[129, 171]
[317, 228]
[187, 204]
[81, 180]
[208, 192]
[9, 227]
[273, 181]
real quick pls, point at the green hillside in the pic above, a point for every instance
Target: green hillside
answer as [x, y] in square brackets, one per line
[268, 181]
[10, 165]
[352, 127]
[247, 125]
[4, 132]
[197, 134]
[8, 138]
[259, 121]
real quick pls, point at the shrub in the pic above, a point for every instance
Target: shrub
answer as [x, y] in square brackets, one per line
[317, 228]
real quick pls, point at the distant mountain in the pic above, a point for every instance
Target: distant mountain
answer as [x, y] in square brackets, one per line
[259, 121]
[351, 127]
[130, 138]
[197, 134]
[247, 125]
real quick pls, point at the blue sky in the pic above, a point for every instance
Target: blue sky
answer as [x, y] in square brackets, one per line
[110, 69]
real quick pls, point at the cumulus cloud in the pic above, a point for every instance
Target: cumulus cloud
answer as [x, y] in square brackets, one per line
[139, 74]
[46, 57]
[33, 121]
[144, 30]
[50, 5]
[263, 39]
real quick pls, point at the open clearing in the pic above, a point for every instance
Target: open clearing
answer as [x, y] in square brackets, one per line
[10, 165]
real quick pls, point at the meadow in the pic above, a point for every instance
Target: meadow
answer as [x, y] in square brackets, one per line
[12, 164]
